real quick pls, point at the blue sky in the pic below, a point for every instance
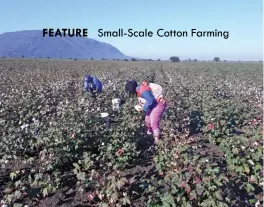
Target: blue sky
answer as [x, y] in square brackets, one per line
[242, 18]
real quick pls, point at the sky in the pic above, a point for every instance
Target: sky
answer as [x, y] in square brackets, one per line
[243, 19]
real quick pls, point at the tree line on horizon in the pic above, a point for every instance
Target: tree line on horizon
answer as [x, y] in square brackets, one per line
[173, 59]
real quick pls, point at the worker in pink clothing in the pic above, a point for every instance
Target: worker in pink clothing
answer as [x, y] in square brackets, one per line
[153, 104]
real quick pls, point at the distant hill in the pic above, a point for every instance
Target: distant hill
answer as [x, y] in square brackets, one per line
[31, 44]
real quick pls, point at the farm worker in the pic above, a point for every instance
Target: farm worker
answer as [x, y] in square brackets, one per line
[153, 104]
[92, 85]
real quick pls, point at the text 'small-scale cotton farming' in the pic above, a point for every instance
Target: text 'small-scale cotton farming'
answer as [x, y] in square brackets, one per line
[62, 147]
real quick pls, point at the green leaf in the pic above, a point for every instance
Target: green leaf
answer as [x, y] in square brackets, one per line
[81, 176]
[187, 205]
[239, 169]
[45, 192]
[199, 189]
[75, 171]
[17, 183]
[221, 204]
[76, 166]
[124, 180]
[212, 188]
[13, 175]
[216, 133]
[165, 204]
[258, 167]
[227, 200]
[196, 157]
[251, 201]
[109, 147]
[126, 201]
[114, 196]
[120, 184]
[17, 205]
[249, 188]
[151, 188]
[193, 195]
[246, 168]
[18, 194]
[222, 122]
[219, 196]
[216, 170]
[49, 167]
[217, 182]
[253, 178]
[235, 151]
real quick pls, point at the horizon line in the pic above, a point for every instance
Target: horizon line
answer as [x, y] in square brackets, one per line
[146, 58]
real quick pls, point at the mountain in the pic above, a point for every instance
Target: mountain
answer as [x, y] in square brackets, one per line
[32, 44]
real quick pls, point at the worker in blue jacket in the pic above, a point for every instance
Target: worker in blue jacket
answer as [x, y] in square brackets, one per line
[92, 85]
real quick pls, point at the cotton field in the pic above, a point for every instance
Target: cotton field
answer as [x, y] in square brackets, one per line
[61, 147]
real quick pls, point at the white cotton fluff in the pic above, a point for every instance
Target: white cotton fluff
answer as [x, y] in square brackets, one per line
[138, 107]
